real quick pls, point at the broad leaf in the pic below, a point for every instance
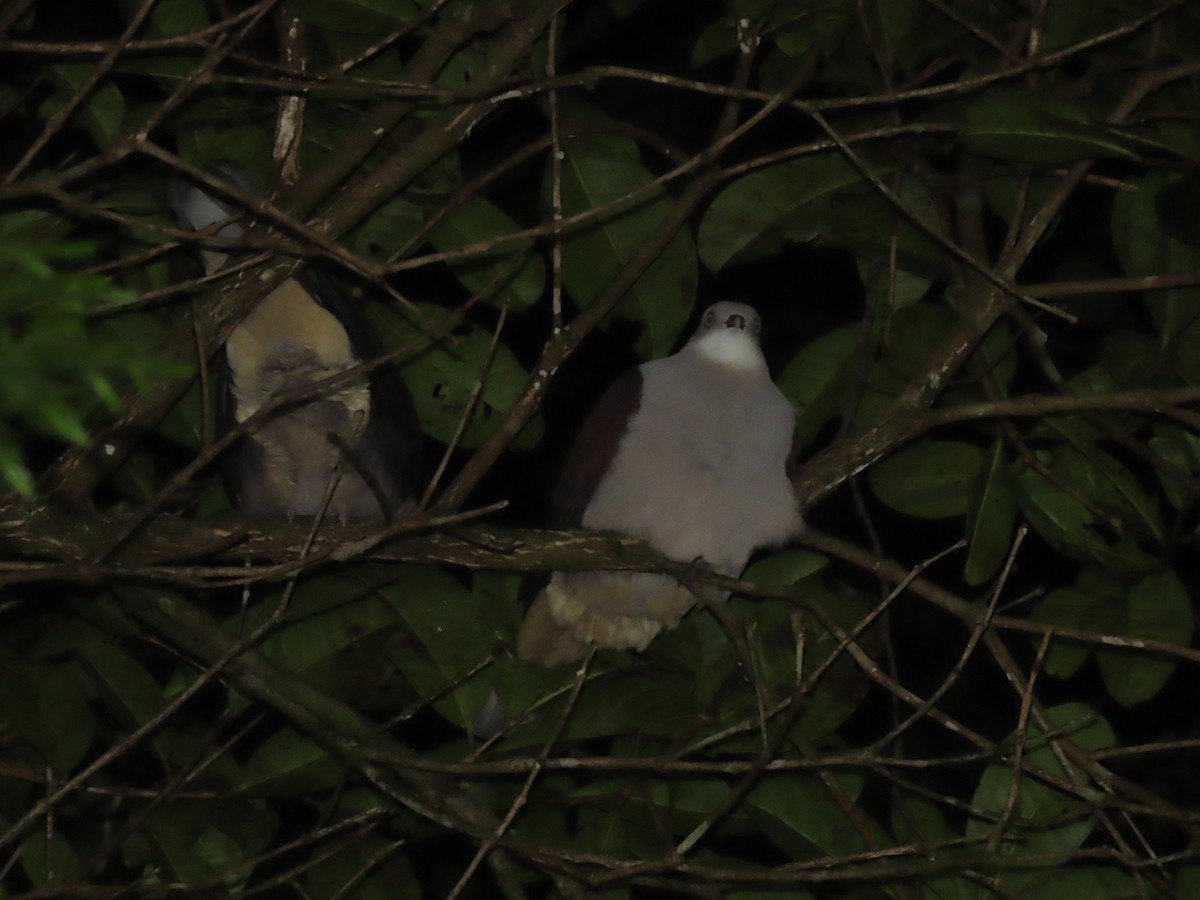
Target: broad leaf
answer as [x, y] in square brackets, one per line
[930, 480]
[443, 374]
[511, 274]
[1156, 607]
[990, 519]
[762, 199]
[595, 172]
[1037, 127]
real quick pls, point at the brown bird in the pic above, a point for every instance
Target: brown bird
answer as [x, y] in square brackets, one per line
[300, 333]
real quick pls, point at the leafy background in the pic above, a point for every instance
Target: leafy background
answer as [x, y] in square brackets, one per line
[971, 228]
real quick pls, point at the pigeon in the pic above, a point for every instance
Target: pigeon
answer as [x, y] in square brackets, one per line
[690, 453]
[302, 332]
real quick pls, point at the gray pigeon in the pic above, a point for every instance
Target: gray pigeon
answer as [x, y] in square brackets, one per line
[690, 453]
[302, 332]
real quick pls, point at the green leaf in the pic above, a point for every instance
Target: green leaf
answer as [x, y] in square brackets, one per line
[130, 688]
[452, 630]
[1037, 127]
[1064, 24]
[442, 376]
[325, 616]
[212, 838]
[606, 829]
[818, 380]
[329, 617]
[55, 366]
[1156, 607]
[184, 424]
[1050, 510]
[460, 70]
[911, 332]
[288, 763]
[1106, 482]
[623, 9]
[1009, 194]
[785, 568]
[12, 466]
[596, 171]
[921, 822]
[797, 28]
[216, 130]
[171, 18]
[907, 289]
[1045, 820]
[377, 871]
[49, 859]
[1131, 359]
[101, 114]
[1071, 608]
[627, 703]
[1182, 449]
[46, 705]
[368, 17]
[700, 648]
[990, 519]
[717, 40]
[686, 801]
[1175, 206]
[168, 18]
[894, 24]
[1054, 509]
[1095, 881]
[1188, 882]
[784, 640]
[798, 813]
[1145, 249]
[996, 356]
[388, 228]
[762, 199]
[222, 853]
[930, 480]
[474, 222]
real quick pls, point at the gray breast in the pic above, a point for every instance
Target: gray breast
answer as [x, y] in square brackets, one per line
[701, 471]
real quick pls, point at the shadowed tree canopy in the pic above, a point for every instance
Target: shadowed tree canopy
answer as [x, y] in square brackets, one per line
[971, 228]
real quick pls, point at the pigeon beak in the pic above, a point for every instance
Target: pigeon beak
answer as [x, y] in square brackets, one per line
[736, 321]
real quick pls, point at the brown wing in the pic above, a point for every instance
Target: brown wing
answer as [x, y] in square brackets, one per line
[391, 448]
[594, 447]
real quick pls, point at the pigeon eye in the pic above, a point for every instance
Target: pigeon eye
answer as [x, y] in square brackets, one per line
[709, 319]
[755, 326]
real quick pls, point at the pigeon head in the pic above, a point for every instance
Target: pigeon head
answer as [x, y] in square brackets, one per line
[728, 335]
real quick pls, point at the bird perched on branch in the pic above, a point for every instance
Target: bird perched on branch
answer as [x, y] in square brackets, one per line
[690, 453]
[301, 333]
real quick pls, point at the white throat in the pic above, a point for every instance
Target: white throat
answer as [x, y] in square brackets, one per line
[729, 347]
